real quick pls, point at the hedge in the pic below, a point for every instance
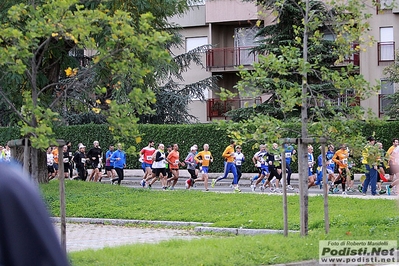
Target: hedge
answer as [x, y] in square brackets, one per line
[186, 136]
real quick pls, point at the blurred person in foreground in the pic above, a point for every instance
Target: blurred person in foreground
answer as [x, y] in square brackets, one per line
[27, 236]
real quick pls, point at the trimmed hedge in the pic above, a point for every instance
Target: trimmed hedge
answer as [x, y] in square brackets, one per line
[185, 136]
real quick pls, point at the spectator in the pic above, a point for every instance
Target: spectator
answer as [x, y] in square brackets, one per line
[370, 157]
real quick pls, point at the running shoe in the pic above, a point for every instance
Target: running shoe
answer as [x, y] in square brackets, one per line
[336, 190]
[253, 187]
[344, 193]
[149, 186]
[290, 187]
[277, 190]
[388, 189]
[272, 189]
[237, 189]
[213, 183]
[360, 188]
[142, 183]
[262, 188]
[382, 191]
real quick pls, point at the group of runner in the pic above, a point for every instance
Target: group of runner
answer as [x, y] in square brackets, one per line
[163, 165]
[375, 162]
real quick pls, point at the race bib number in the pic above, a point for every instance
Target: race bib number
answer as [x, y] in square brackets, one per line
[287, 155]
[66, 160]
[177, 161]
[345, 161]
[70, 154]
[277, 157]
[207, 157]
[238, 162]
[83, 160]
[149, 158]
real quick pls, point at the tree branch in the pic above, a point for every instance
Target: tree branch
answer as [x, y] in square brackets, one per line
[12, 106]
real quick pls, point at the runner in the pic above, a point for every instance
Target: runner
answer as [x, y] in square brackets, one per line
[66, 160]
[289, 152]
[311, 163]
[228, 155]
[393, 159]
[204, 158]
[50, 164]
[109, 167]
[95, 155]
[191, 167]
[239, 160]
[118, 158]
[259, 159]
[274, 165]
[80, 162]
[146, 154]
[174, 163]
[159, 167]
[341, 159]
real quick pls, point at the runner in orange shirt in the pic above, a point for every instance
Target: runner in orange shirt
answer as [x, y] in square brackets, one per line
[55, 165]
[341, 159]
[174, 163]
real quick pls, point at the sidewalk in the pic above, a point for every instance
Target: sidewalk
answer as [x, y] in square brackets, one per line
[90, 233]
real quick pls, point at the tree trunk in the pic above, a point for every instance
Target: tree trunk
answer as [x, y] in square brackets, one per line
[303, 156]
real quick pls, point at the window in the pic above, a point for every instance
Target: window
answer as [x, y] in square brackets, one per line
[386, 46]
[197, 2]
[387, 88]
[194, 42]
[386, 4]
[244, 40]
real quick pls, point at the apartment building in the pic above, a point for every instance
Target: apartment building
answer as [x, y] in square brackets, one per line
[230, 26]
[385, 30]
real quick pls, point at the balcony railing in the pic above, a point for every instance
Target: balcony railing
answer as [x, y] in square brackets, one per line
[386, 52]
[218, 108]
[223, 58]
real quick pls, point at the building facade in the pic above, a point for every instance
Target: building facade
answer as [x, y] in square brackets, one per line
[229, 26]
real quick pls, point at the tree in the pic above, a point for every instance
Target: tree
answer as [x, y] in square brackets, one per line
[34, 43]
[392, 74]
[295, 72]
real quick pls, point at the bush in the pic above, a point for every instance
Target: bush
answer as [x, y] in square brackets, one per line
[186, 136]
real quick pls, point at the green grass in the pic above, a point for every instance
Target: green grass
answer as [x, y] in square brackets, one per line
[350, 219]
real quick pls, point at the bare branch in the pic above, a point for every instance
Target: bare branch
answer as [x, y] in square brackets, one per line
[12, 106]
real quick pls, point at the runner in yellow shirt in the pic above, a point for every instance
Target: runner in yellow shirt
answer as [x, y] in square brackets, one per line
[204, 158]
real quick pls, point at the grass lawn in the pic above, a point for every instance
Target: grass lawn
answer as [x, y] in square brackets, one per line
[350, 219]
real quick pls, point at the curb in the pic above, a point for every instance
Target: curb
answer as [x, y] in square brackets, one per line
[199, 227]
[126, 222]
[240, 231]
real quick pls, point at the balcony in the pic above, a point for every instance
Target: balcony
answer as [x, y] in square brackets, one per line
[354, 58]
[218, 108]
[386, 52]
[229, 58]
